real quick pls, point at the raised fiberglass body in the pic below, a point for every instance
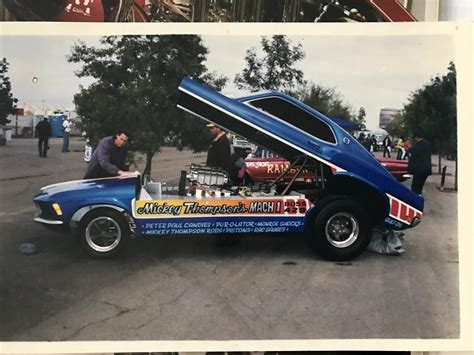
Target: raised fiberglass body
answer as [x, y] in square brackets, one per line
[291, 128]
[352, 190]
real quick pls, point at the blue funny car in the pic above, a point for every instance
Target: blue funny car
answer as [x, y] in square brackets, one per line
[352, 191]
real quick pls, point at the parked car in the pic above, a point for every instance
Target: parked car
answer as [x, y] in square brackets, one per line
[398, 168]
[264, 167]
[352, 191]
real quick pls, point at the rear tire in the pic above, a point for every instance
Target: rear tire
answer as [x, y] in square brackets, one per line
[339, 230]
[103, 233]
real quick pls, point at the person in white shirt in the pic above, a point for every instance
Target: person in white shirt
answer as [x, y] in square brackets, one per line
[66, 131]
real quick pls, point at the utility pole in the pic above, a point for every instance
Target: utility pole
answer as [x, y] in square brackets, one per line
[16, 122]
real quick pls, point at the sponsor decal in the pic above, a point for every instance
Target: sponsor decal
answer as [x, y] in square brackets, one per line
[280, 168]
[181, 226]
[256, 164]
[393, 222]
[402, 212]
[286, 206]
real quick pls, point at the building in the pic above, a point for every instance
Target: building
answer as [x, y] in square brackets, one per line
[386, 116]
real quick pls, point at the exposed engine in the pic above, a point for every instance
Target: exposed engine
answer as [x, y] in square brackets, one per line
[204, 181]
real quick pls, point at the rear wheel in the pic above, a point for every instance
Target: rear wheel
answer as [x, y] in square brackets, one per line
[339, 229]
[103, 233]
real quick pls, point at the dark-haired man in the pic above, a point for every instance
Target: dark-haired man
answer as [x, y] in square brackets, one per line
[43, 128]
[109, 157]
[419, 163]
[218, 155]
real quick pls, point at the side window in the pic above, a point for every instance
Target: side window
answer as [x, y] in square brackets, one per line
[296, 116]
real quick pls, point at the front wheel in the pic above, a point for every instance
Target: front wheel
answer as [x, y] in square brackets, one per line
[103, 233]
[339, 230]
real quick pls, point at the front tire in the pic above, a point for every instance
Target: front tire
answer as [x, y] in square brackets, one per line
[339, 230]
[103, 233]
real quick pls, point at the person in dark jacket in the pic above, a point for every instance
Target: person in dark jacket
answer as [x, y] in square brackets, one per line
[109, 157]
[387, 144]
[419, 163]
[44, 132]
[218, 155]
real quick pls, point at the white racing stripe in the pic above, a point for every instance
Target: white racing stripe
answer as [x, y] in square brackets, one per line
[83, 181]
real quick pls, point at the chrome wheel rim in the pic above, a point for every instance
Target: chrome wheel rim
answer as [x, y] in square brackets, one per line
[342, 230]
[103, 234]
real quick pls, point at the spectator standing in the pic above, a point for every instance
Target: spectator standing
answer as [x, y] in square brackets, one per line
[364, 140]
[218, 154]
[399, 147]
[406, 147]
[419, 164]
[44, 132]
[109, 157]
[387, 143]
[373, 143]
[66, 131]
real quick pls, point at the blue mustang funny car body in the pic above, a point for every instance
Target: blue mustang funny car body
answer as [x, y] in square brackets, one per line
[352, 191]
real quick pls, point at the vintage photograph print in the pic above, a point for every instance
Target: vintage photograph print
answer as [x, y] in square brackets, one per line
[215, 186]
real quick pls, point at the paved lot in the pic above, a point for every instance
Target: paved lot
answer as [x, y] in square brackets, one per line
[266, 287]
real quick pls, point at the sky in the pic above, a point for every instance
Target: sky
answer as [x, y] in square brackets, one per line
[373, 72]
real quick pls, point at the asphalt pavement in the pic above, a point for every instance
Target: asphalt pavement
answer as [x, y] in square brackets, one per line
[188, 288]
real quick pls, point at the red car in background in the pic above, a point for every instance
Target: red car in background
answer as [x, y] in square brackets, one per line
[267, 169]
[398, 168]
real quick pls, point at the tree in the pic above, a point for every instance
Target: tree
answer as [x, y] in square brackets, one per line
[136, 88]
[360, 120]
[275, 71]
[397, 126]
[7, 101]
[432, 110]
[326, 100]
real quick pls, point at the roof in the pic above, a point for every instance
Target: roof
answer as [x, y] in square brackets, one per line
[345, 124]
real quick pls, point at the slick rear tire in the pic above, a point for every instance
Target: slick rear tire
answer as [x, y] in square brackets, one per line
[103, 233]
[339, 230]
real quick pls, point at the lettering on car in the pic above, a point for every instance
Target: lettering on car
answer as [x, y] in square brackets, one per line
[401, 211]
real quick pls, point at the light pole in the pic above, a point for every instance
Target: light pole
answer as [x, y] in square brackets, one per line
[16, 122]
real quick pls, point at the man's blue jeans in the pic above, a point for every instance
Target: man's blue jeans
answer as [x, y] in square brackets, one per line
[65, 142]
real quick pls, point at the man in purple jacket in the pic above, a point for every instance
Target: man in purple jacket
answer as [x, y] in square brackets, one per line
[109, 157]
